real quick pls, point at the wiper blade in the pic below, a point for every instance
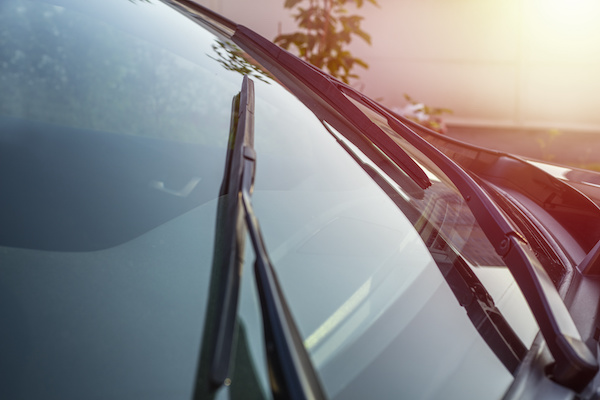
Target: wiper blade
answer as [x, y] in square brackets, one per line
[292, 374]
[228, 247]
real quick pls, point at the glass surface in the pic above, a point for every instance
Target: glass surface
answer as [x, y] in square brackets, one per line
[114, 122]
[359, 277]
[106, 66]
[445, 209]
[119, 323]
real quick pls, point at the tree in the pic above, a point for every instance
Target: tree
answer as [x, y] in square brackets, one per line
[326, 29]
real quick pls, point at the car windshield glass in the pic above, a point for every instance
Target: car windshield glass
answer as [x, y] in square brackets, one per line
[114, 122]
[109, 72]
[332, 230]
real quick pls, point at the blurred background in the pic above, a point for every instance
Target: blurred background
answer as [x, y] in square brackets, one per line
[518, 75]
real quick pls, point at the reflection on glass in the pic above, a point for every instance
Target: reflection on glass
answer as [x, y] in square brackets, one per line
[233, 59]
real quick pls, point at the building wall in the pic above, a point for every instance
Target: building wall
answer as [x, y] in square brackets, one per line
[515, 63]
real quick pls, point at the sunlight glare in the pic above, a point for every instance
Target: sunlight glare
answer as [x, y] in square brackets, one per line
[563, 31]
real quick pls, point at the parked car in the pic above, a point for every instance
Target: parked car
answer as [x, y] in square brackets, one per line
[189, 211]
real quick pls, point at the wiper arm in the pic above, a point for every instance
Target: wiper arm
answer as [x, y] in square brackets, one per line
[292, 374]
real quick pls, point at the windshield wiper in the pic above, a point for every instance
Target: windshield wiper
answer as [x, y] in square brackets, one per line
[292, 375]
[479, 305]
[575, 365]
[467, 288]
[314, 79]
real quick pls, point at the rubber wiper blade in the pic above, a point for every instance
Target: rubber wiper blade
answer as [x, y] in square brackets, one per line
[230, 235]
[292, 373]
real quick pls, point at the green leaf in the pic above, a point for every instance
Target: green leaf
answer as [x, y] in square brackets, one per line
[325, 30]
[333, 65]
[361, 63]
[364, 35]
[291, 3]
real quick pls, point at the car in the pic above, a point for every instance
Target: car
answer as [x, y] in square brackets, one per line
[189, 211]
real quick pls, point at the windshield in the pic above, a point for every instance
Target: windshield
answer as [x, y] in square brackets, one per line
[114, 121]
[381, 295]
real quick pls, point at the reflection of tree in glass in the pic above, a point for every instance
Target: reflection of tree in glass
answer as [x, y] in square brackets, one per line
[230, 57]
